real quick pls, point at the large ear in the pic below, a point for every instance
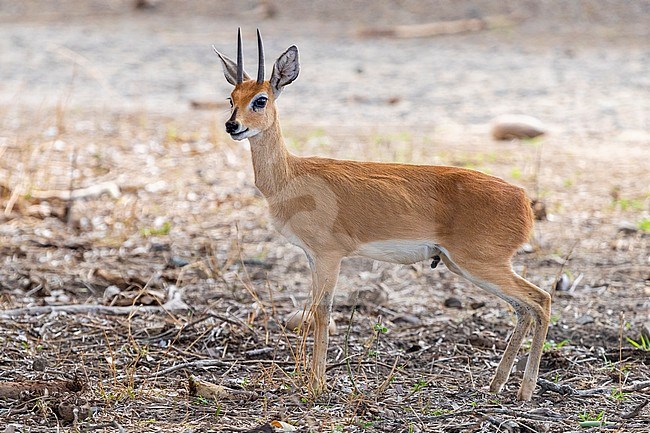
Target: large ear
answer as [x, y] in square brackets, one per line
[285, 70]
[229, 68]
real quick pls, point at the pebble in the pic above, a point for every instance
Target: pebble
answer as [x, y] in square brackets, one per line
[453, 303]
[294, 320]
[585, 320]
[627, 228]
[39, 364]
[563, 284]
[511, 126]
[178, 262]
[407, 318]
[528, 248]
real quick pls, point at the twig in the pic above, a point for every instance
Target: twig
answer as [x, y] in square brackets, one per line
[360, 363]
[439, 28]
[199, 363]
[621, 319]
[109, 188]
[67, 214]
[568, 389]
[87, 65]
[536, 414]
[114, 423]
[389, 377]
[567, 257]
[257, 352]
[538, 169]
[174, 304]
[346, 349]
[637, 386]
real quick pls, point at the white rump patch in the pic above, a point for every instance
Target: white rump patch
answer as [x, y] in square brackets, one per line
[399, 250]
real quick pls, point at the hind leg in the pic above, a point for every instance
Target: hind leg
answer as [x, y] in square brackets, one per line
[541, 313]
[531, 305]
[504, 368]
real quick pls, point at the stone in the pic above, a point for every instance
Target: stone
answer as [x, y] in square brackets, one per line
[516, 126]
[453, 303]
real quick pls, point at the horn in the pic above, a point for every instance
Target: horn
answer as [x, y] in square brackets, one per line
[260, 62]
[240, 59]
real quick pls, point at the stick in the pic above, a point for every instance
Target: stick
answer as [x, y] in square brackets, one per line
[440, 28]
[568, 389]
[199, 363]
[536, 414]
[637, 386]
[174, 304]
[88, 66]
[567, 257]
[346, 350]
[15, 389]
[109, 188]
[257, 352]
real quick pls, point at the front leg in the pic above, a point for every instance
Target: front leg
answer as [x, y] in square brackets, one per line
[325, 271]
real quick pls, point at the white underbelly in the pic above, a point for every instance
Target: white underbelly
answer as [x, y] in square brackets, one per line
[398, 250]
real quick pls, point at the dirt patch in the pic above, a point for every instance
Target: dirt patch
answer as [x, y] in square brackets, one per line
[180, 274]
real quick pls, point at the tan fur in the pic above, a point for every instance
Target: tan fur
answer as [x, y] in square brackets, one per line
[330, 208]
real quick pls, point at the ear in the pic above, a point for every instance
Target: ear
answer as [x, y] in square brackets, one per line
[229, 68]
[285, 70]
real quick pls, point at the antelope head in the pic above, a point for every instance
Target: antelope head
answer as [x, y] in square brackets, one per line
[253, 108]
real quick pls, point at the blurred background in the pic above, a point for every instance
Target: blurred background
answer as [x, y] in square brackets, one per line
[579, 64]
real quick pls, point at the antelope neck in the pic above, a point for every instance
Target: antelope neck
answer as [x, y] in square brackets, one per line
[270, 160]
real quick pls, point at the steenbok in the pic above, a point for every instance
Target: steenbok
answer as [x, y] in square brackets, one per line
[399, 213]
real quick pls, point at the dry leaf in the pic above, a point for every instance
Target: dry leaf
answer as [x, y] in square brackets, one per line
[207, 390]
[282, 426]
[211, 391]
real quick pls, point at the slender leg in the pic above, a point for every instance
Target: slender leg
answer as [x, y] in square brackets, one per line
[532, 306]
[541, 314]
[325, 272]
[516, 339]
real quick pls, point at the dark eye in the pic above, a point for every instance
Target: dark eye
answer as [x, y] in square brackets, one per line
[230, 100]
[260, 103]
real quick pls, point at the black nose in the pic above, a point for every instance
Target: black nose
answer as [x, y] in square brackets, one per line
[232, 126]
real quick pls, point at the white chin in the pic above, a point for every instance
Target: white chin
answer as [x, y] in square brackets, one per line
[246, 133]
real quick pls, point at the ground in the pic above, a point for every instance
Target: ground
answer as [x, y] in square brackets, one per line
[110, 102]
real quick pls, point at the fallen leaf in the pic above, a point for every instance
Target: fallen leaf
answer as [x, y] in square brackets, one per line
[211, 391]
[283, 426]
[207, 390]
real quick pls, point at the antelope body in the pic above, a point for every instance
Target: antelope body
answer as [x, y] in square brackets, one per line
[399, 213]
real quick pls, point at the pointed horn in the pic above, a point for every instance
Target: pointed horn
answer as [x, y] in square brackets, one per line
[260, 61]
[240, 59]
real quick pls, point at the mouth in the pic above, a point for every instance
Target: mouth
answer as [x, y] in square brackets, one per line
[239, 134]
